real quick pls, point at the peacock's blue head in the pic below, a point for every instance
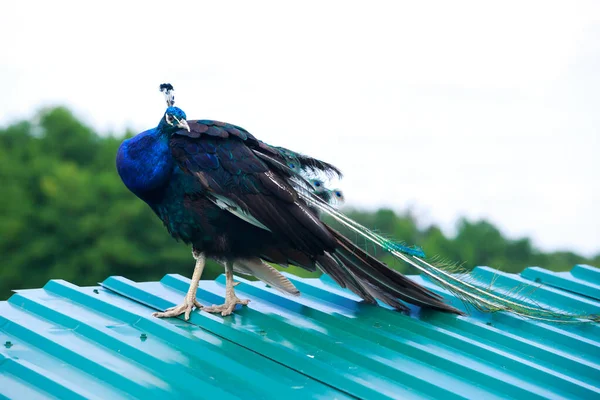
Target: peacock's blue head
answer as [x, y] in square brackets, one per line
[174, 118]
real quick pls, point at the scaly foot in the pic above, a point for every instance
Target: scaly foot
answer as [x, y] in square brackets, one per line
[190, 298]
[227, 308]
[186, 307]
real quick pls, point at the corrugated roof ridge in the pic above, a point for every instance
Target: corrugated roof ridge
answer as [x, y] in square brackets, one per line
[299, 347]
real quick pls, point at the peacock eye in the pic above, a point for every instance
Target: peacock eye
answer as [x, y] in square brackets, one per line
[169, 119]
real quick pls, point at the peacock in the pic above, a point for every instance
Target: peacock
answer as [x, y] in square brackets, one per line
[249, 205]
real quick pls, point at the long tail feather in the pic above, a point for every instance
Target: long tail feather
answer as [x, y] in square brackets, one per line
[384, 283]
[453, 278]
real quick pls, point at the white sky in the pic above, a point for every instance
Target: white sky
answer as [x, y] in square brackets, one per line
[452, 108]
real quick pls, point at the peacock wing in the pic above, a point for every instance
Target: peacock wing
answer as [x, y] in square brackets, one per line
[223, 161]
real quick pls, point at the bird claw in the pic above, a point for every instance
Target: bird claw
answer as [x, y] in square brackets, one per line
[227, 308]
[184, 308]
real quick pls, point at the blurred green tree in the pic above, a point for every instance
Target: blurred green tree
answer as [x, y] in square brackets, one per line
[65, 214]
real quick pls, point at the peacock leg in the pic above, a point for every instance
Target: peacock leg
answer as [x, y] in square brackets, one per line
[190, 298]
[230, 298]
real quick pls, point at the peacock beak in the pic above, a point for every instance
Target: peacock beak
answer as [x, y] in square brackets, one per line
[183, 124]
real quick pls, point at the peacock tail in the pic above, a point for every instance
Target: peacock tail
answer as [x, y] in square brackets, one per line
[451, 276]
[454, 277]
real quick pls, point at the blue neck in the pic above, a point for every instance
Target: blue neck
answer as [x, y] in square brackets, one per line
[145, 164]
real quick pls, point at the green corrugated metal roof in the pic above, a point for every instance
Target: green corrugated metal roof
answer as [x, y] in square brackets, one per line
[68, 342]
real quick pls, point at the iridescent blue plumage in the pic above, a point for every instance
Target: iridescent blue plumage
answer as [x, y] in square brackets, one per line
[144, 161]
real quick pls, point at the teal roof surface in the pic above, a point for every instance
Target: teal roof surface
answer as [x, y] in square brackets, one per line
[70, 342]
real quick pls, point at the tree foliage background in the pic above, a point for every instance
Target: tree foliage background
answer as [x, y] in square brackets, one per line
[64, 214]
